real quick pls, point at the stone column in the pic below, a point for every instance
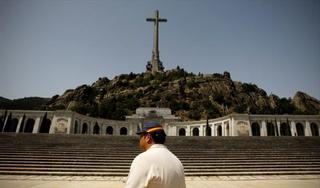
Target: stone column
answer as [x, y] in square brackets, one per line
[53, 124]
[250, 128]
[188, 131]
[263, 130]
[19, 124]
[174, 131]
[293, 128]
[90, 128]
[213, 131]
[278, 128]
[36, 127]
[227, 128]
[201, 130]
[233, 127]
[308, 129]
[223, 129]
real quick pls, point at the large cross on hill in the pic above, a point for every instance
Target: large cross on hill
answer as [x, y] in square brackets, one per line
[155, 65]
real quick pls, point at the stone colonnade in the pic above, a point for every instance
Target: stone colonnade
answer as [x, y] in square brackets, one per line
[66, 122]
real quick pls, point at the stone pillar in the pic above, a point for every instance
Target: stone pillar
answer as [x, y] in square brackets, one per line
[19, 124]
[223, 129]
[53, 124]
[293, 128]
[263, 130]
[36, 127]
[188, 131]
[175, 131]
[5, 123]
[308, 129]
[233, 127]
[80, 127]
[278, 128]
[213, 131]
[226, 128]
[201, 131]
[90, 128]
[70, 127]
[250, 128]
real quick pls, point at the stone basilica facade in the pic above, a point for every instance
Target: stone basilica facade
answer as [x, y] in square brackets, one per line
[67, 122]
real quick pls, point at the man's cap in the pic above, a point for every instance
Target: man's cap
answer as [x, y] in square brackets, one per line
[149, 127]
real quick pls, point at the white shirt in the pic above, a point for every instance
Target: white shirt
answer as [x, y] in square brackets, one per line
[156, 168]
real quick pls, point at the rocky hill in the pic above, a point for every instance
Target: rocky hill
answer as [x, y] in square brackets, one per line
[190, 96]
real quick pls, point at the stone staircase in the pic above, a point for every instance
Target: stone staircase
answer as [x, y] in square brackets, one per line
[94, 155]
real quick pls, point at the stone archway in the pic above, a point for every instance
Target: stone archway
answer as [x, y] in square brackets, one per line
[314, 129]
[270, 129]
[123, 131]
[45, 126]
[255, 128]
[109, 130]
[300, 129]
[195, 131]
[11, 125]
[2, 119]
[285, 129]
[84, 128]
[29, 126]
[96, 129]
[219, 130]
[182, 132]
[208, 131]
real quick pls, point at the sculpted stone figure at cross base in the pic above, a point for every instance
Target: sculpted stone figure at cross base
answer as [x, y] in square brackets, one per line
[155, 65]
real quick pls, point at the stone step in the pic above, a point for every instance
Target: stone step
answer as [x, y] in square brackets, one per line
[127, 166]
[111, 158]
[127, 163]
[4, 172]
[213, 169]
[197, 155]
[119, 161]
[45, 154]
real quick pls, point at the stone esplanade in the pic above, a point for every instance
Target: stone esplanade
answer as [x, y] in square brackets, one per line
[67, 122]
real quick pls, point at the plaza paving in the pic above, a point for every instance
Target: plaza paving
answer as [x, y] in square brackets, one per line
[293, 181]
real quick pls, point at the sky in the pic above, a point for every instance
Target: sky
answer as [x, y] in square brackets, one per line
[47, 47]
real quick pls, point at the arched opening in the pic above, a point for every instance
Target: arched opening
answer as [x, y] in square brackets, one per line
[195, 132]
[29, 126]
[96, 129]
[285, 129]
[45, 126]
[123, 131]
[109, 130]
[219, 130]
[300, 129]
[270, 129]
[11, 125]
[255, 128]
[84, 128]
[76, 127]
[314, 129]
[182, 132]
[2, 119]
[208, 131]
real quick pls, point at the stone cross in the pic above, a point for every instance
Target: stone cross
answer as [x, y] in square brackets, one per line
[155, 65]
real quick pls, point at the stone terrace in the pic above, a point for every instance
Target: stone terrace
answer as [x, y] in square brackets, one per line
[93, 155]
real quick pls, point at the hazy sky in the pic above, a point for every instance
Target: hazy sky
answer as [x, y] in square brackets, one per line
[48, 46]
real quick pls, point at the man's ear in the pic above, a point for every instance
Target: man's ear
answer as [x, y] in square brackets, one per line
[149, 139]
